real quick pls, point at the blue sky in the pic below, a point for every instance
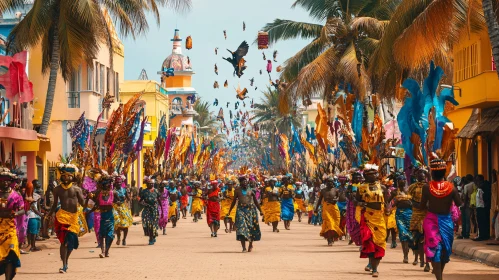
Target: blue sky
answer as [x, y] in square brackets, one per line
[205, 23]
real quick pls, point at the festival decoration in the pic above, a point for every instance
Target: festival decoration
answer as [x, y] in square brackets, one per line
[263, 40]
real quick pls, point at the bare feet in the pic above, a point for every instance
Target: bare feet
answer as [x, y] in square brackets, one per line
[250, 248]
[101, 255]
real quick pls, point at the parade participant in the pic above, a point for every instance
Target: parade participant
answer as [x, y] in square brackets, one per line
[11, 206]
[299, 197]
[173, 197]
[287, 207]
[418, 215]
[247, 227]
[213, 207]
[438, 227]
[402, 201]
[371, 197]
[310, 206]
[227, 198]
[149, 198]
[34, 216]
[197, 201]
[330, 213]
[164, 207]
[273, 208]
[66, 219]
[184, 200]
[135, 205]
[342, 202]
[105, 198]
[264, 199]
[122, 215]
[21, 220]
[352, 225]
[389, 214]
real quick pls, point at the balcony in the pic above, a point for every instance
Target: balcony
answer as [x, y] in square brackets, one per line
[18, 122]
[480, 91]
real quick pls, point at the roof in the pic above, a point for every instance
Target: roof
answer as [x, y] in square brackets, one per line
[139, 86]
[489, 122]
[468, 131]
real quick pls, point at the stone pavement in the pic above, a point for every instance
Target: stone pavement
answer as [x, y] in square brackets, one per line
[188, 252]
[477, 251]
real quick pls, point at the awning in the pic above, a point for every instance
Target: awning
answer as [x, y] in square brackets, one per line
[489, 122]
[469, 130]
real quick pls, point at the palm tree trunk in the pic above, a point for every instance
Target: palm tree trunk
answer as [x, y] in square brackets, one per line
[493, 27]
[54, 70]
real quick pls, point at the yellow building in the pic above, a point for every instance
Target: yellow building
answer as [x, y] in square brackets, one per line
[476, 88]
[83, 93]
[157, 105]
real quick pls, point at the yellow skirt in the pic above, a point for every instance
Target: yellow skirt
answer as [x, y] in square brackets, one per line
[172, 211]
[375, 220]
[272, 212]
[225, 207]
[197, 205]
[122, 216]
[390, 220]
[330, 220]
[300, 205]
[9, 245]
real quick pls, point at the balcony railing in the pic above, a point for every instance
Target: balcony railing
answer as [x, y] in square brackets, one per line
[73, 99]
[17, 115]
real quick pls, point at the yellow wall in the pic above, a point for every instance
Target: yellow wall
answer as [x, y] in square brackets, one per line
[479, 90]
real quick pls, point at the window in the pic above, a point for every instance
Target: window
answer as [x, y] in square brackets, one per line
[102, 78]
[74, 88]
[90, 78]
[177, 105]
[5, 108]
[96, 77]
[466, 63]
[117, 86]
[108, 80]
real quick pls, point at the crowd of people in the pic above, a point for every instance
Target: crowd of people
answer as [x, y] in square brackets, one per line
[420, 207]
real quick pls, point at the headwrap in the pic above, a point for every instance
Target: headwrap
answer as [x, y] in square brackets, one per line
[214, 183]
[67, 168]
[438, 164]
[5, 172]
[370, 168]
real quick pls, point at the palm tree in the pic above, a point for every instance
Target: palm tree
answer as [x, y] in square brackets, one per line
[339, 52]
[71, 32]
[418, 32]
[267, 115]
[491, 13]
[208, 122]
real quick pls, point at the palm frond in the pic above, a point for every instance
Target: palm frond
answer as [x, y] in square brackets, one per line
[11, 5]
[353, 72]
[282, 29]
[320, 9]
[372, 26]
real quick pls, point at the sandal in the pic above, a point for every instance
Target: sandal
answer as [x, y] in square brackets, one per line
[415, 263]
[63, 269]
[226, 231]
[375, 274]
[101, 255]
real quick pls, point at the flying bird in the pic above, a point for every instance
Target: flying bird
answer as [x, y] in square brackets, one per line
[225, 34]
[216, 69]
[275, 56]
[220, 116]
[251, 103]
[244, 104]
[252, 80]
[264, 57]
[226, 84]
[236, 105]
[216, 51]
[168, 72]
[189, 60]
[261, 72]
[228, 103]
[241, 93]
[256, 88]
[237, 59]
[215, 103]
[230, 113]
[215, 85]
[244, 26]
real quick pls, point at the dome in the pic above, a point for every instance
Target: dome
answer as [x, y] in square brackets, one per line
[178, 62]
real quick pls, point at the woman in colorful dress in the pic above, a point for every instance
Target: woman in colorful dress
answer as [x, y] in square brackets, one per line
[371, 198]
[11, 207]
[213, 208]
[287, 207]
[197, 201]
[273, 208]
[402, 201]
[165, 205]
[353, 226]
[247, 227]
[299, 199]
[149, 198]
[227, 198]
[173, 198]
[418, 215]
[122, 214]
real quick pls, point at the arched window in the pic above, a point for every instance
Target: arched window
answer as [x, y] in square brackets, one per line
[177, 104]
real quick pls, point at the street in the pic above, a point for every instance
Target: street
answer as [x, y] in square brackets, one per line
[188, 252]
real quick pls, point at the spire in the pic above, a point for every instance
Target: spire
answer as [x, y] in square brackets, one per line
[176, 36]
[143, 75]
[177, 42]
